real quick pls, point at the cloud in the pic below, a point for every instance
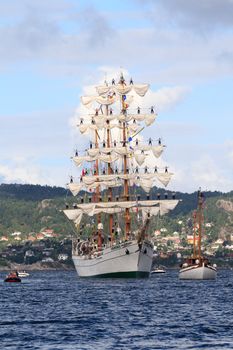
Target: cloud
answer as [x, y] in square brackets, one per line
[229, 152]
[197, 165]
[23, 171]
[96, 27]
[52, 8]
[62, 39]
[165, 98]
[199, 16]
[207, 173]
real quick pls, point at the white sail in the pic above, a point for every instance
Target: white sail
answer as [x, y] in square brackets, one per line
[83, 128]
[164, 178]
[123, 89]
[166, 206]
[145, 180]
[87, 101]
[140, 158]
[149, 211]
[93, 152]
[74, 188]
[153, 207]
[79, 160]
[150, 119]
[99, 122]
[146, 184]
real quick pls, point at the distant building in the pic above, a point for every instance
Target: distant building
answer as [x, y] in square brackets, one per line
[190, 239]
[48, 233]
[47, 260]
[29, 253]
[4, 238]
[157, 233]
[31, 238]
[40, 236]
[62, 257]
[17, 238]
[16, 233]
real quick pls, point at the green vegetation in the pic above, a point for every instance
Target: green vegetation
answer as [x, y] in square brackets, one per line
[30, 209]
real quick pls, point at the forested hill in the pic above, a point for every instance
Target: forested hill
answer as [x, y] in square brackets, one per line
[31, 192]
[38, 193]
[30, 208]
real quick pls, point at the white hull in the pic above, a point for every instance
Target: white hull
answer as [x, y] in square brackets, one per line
[23, 274]
[123, 261]
[196, 272]
[157, 271]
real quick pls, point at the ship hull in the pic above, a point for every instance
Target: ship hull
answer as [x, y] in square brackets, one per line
[124, 261]
[197, 272]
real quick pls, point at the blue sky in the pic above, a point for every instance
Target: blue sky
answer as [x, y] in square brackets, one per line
[52, 50]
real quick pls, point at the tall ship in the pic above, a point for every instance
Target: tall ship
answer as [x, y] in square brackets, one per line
[198, 267]
[113, 170]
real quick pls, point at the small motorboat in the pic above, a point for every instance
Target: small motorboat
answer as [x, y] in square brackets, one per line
[23, 274]
[158, 269]
[12, 277]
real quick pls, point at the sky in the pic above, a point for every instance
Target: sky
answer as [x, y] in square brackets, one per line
[54, 51]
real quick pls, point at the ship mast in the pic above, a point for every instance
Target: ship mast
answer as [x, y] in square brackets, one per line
[126, 181]
[194, 233]
[97, 193]
[109, 173]
[200, 207]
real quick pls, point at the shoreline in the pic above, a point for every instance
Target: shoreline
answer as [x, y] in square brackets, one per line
[55, 266]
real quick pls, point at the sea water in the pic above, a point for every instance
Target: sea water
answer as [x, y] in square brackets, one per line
[59, 310]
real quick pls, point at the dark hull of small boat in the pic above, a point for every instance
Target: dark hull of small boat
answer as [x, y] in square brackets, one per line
[12, 279]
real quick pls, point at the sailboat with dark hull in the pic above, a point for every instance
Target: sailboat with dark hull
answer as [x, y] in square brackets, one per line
[198, 267]
[112, 167]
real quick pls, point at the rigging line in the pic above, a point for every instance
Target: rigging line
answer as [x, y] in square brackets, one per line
[138, 132]
[73, 229]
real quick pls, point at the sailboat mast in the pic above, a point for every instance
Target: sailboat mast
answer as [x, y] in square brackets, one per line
[199, 223]
[126, 184]
[109, 189]
[97, 193]
[194, 233]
